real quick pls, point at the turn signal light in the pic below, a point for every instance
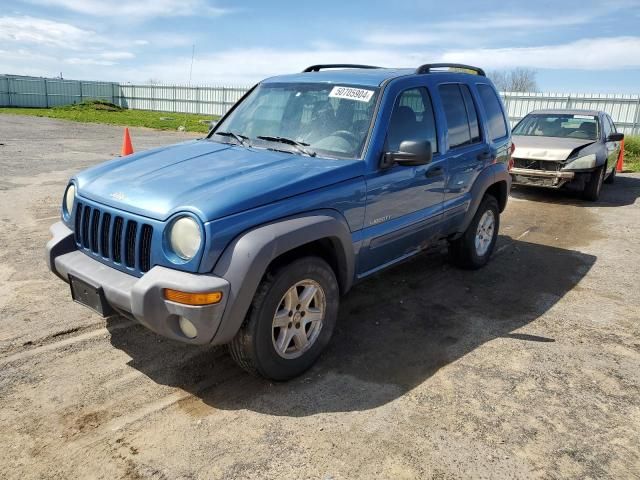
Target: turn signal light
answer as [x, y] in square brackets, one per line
[188, 298]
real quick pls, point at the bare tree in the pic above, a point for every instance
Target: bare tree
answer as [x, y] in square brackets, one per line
[517, 80]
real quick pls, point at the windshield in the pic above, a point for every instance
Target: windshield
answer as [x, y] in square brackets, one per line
[330, 120]
[565, 126]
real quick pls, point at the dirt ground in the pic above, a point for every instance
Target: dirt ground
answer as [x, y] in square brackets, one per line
[528, 368]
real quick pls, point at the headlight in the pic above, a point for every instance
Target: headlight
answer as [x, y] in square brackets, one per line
[185, 237]
[69, 197]
[584, 162]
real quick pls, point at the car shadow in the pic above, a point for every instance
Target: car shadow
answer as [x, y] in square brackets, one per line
[624, 191]
[394, 332]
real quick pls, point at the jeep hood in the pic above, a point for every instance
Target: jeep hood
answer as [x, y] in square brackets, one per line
[555, 149]
[210, 179]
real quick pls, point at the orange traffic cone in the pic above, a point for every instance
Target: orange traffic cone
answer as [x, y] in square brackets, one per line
[127, 148]
[620, 157]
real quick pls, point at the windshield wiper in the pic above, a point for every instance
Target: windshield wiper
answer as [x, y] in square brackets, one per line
[239, 138]
[300, 146]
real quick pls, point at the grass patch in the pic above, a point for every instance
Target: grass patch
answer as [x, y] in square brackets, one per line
[631, 153]
[98, 111]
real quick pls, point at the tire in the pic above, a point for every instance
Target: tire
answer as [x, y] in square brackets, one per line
[592, 189]
[464, 252]
[260, 347]
[612, 176]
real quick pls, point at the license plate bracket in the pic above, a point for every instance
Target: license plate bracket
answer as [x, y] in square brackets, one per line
[90, 296]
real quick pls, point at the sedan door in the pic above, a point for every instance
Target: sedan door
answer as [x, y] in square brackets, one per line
[613, 148]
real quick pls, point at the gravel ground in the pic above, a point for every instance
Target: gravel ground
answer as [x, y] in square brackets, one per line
[527, 368]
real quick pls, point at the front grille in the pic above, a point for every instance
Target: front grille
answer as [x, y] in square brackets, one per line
[113, 238]
[545, 165]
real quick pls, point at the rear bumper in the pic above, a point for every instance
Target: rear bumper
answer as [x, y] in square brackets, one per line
[544, 178]
[141, 298]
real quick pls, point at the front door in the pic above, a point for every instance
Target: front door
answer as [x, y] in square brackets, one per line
[613, 148]
[404, 204]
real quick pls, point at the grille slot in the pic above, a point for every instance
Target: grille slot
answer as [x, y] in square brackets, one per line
[86, 216]
[117, 240]
[104, 234]
[130, 244]
[78, 223]
[145, 247]
[95, 223]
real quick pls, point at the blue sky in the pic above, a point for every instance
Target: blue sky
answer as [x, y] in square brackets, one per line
[584, 46]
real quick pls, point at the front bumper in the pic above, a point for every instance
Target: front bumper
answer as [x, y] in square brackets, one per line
[141, 298]
[542, 178]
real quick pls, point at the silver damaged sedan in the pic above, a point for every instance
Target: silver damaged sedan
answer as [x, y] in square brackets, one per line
[574, 149]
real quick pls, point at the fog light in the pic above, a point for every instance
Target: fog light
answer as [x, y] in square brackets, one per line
[188, 329]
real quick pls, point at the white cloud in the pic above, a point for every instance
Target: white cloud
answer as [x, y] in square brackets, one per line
[401, 39]
[586, 54]
[133, 10]
[39, 31]
[250, 65]
[245, 66]
[116, 55]
[494, 28]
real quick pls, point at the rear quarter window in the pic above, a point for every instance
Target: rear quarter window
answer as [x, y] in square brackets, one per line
[495, 116]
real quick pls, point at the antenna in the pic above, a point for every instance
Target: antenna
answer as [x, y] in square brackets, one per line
[183, 127]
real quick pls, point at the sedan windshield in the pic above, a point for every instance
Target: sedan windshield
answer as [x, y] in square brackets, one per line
[583, 127]
[310, 119]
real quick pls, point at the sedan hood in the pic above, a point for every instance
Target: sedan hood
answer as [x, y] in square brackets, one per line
[208, 178]
[555, 149]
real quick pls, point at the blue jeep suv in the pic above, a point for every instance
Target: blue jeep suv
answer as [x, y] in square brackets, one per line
[310, 183]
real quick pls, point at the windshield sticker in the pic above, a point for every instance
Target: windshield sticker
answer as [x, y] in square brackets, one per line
[584, 117]
[359, 94]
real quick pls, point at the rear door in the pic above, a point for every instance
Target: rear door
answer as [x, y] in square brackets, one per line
[467, 152]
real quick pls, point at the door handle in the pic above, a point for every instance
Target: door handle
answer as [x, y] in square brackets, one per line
[484, 156]
[434, 172]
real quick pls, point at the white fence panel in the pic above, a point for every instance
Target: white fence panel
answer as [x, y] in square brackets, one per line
[216, 100]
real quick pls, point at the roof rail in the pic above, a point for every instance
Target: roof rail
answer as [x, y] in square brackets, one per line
[426, 68]
[317, 68]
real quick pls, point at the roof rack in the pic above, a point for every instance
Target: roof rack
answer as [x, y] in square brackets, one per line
[317, 68]
[427, 67]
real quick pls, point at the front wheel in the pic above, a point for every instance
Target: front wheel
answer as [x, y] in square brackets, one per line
[290, 322]
[612, 176]
[592, 189]
[473, 249]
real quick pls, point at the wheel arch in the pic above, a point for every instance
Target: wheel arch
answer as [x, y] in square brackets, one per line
[247, 259]
[495, 181]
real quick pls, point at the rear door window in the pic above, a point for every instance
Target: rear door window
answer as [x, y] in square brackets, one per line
[495, 116]
[462, 120]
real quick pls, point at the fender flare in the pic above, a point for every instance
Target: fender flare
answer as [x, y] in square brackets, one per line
[245, 260]
[493, 175]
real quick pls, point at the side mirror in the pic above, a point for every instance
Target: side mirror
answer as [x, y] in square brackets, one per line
[410, 153]
[615, 137]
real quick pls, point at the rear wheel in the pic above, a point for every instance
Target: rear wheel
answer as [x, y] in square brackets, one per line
[474, 248]
[592, 189]
[290, 321]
